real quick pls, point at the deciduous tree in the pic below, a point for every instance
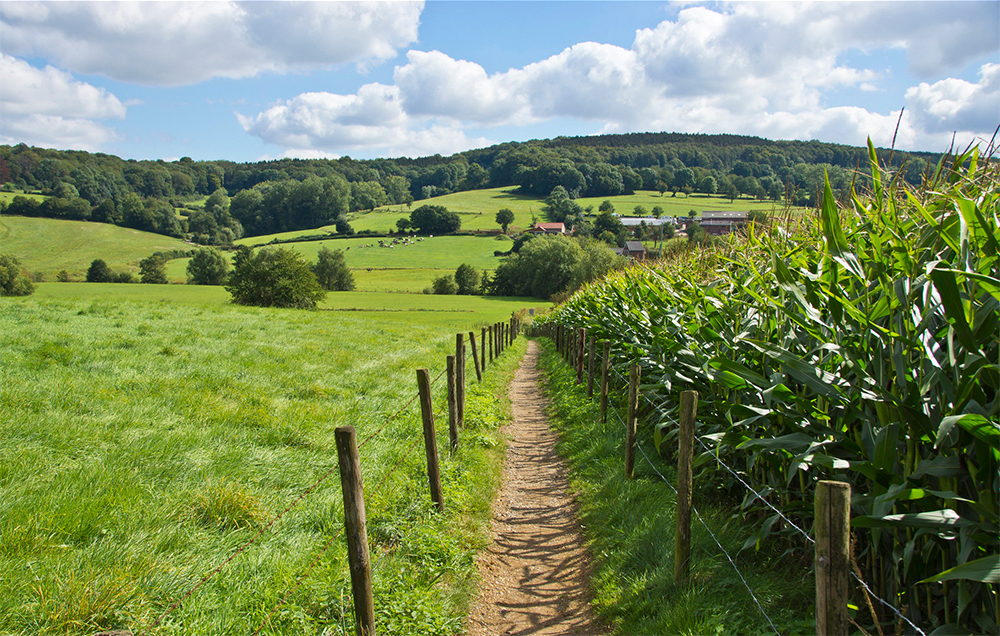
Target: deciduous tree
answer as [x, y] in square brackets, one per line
[273, 277]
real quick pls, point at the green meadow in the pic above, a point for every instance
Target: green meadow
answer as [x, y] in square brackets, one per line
[148, 432]
[48, 246]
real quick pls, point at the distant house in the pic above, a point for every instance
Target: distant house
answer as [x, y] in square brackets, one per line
[633, 250]
[722, 221]
[548, 228]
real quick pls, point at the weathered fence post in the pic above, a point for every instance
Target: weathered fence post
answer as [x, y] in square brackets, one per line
[483, 352]
[452, 404]
[605, 361]
[355, 531]
[630, 422]
[580, 354]
[460, 377]
[430, 441]
[490, 329]
[833, 520]
[685, 462]
[590, 368]
[559, 338]
[475, 356]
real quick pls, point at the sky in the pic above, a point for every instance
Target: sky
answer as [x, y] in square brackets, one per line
[250, 81]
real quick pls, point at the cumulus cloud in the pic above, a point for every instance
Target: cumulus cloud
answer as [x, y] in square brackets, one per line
[372, 119]
[177, 43]
[754, 68]
[48, 107]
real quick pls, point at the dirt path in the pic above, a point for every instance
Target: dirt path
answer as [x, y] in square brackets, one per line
[535, 575]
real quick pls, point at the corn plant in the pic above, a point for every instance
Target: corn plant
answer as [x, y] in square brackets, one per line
[859, 344]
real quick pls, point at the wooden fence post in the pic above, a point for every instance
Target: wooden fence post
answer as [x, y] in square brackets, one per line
[590, 368]
[430, 441]
[483, 352]
[833, 520]
[630, 422]
[559, 338]
[460, 377]
[605, 361]
[685, 461]
[355, 531]
[580, 354]
[490, 329]
[452, 405]
[475, 356]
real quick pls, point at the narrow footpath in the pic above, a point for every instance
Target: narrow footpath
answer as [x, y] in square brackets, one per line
[535, 574]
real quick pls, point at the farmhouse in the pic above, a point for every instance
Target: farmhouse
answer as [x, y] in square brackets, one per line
[722, 221]
[548, 228]
[633, 249]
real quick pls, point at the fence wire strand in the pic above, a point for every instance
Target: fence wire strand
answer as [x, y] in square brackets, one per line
[768, 504]
[274, 520]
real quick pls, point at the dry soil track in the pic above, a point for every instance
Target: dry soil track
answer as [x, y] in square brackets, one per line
[535, 574]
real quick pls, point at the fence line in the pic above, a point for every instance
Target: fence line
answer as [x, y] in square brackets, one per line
[781, 515]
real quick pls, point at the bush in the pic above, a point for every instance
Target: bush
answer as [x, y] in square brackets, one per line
[208, 267]
[273, 277]
[153, 271]
[99, 272]
[445, 285]
[435, 219]
[332, 272]
[14, 279]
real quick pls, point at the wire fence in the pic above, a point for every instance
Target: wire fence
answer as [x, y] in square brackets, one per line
[759, 496]
[295, 502]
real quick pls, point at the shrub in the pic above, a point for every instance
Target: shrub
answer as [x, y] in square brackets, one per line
[273, 277]
[208, 267]
[14, 279]
[332, 272]
[467, 279]
[153, 271]
[445, 285]
[99, 272]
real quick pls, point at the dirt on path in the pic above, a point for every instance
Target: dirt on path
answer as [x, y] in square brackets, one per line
[536, 573]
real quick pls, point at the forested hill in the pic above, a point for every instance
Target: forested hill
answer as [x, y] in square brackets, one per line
[290, 194]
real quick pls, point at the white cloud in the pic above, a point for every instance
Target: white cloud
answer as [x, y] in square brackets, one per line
[48, 107]
[764, 69]
[176, 43]
[957, 105]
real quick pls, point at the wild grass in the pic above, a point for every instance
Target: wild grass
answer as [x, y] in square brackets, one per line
[48, 246]
[629, 526]
[142, 443]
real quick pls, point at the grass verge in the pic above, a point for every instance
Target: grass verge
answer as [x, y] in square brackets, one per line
[630, 525]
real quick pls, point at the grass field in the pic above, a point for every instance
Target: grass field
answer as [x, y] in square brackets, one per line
[147, 434]
[50, 245]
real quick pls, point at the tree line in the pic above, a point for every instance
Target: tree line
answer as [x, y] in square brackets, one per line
[292, 194]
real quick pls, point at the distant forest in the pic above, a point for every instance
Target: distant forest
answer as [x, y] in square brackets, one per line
[250, 199]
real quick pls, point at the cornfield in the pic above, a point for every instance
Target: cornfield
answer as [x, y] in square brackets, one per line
[858, 344]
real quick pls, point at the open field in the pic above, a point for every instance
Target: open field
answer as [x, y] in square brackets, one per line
[50, 245]
[143, 441]
[484, 309]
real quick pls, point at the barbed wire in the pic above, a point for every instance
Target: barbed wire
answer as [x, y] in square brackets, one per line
[260, 532]
[781, 515]
[305, 574]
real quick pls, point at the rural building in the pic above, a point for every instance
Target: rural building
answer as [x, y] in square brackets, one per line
[548, 228]
[722, 221]
[632, 221]
[633, 249]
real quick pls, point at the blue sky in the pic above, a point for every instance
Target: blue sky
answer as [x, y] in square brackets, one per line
[260, 80]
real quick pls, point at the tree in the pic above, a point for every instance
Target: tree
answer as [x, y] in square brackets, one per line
[708, 185]
[467, 279]
[445, 285]
[657, 211]
[403, 224]
[606, 222]
[153, 270]
[435, 219]
[208, 267]
[606, 206]
[504, 218]
[99, 272]
[14, 279]
[273, 277]
[639, 211]
[332, 272]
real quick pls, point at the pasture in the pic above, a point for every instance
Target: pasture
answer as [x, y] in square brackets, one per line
[47, 246]
[150, 431]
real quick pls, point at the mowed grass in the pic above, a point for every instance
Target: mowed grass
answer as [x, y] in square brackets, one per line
[143, 443]
[462, 309]
[48, 246]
